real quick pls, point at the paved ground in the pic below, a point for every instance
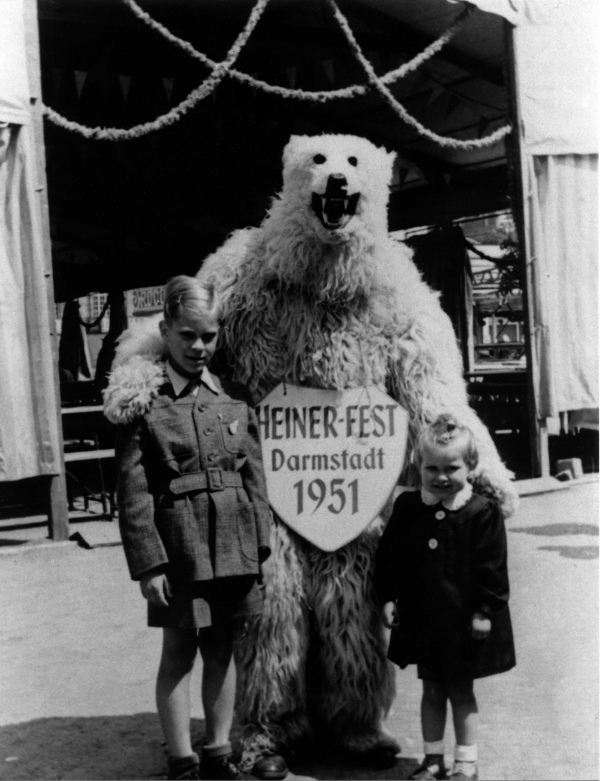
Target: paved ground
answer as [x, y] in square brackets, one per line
[77, 663]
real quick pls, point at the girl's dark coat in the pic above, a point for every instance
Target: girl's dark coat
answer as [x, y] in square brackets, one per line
[440, 571]
[191, 490]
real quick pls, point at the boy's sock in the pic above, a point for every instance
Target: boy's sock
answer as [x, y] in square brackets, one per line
[433, 747]
[216, 751]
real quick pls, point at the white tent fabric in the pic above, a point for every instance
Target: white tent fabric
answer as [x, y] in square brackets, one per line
[557, 62]
[556, 67]
[557, 56]
[563, 238]
[29, 436]
[557, 81]
[509, 9]
[14, 87]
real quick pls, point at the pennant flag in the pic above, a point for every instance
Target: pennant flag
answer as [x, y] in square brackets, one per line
[57, 74]
[329, 72]
[168, 85]
[436, 93]
[291, 72]
[453, 104]
[125, 82]
[80, 77]
[483, 125]
[402, 174]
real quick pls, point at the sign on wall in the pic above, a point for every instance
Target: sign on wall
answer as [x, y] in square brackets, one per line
[332, 458]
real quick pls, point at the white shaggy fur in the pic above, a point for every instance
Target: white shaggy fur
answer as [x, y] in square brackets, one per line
[337, 309]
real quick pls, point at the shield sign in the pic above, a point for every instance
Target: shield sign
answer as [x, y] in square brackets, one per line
[332, 458]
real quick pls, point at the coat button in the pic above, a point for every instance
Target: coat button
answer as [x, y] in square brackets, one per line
[440, 515]
[209, 431]
[433, 543]
[212, 457]
[202, 407]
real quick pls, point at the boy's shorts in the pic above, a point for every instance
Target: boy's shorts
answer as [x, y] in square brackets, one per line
[200, 604]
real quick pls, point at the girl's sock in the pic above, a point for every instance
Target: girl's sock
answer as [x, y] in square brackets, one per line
[465, 760]
[465, 753]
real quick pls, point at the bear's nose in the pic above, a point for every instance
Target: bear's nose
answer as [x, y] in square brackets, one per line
[336, 186]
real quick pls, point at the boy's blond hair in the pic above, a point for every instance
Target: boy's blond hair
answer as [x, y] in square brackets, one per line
[187, 295]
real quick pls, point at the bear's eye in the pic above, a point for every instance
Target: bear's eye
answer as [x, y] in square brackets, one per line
[353, 161]
[319, 159]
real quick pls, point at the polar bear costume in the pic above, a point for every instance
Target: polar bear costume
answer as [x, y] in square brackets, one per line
[320, 295]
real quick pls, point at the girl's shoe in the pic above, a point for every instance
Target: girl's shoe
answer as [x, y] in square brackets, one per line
[431, 768]
[218, 765]
[464, 771]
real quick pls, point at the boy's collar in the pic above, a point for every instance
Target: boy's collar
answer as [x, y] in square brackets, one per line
[454, 502]
[180, 383]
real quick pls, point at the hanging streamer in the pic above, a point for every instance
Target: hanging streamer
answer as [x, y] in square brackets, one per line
[225, 68]
[398, 108]
[195, 96]
[319, 96]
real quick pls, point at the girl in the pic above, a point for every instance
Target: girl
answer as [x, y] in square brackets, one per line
[194, 519]
[441, 575]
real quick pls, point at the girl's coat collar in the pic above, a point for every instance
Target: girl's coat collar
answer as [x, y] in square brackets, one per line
[454, 502]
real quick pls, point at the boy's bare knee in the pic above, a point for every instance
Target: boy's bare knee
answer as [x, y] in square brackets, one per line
[178, 652]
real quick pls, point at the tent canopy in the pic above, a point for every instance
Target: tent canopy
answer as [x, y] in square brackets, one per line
[182, 189]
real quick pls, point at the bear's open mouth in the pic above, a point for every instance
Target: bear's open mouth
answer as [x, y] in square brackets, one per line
[335, 207]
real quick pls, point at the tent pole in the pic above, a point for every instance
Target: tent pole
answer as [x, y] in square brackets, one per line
[58, 512]
[538, 433]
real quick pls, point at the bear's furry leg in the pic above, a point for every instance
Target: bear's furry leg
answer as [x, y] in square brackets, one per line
[353, 677]
[271, 658]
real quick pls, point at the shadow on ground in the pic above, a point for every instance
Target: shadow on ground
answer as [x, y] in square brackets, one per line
[324, 767]
[105, 747]
[129, 748]
[573, 551]
[558, 529]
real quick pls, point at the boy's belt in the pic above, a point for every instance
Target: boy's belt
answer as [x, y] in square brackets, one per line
[211, 480]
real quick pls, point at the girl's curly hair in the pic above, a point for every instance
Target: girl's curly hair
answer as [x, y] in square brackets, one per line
[446, 431]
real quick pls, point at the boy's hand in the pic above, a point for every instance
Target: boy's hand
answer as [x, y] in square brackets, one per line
[480, 626]
[389, 614]
[156, 588]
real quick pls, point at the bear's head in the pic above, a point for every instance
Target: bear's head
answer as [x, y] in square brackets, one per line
[337, 184]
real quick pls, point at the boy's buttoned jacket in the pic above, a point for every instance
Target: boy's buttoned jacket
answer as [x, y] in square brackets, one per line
[190, 485]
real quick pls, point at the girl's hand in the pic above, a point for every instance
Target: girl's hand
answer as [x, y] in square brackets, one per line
[156, 588]
[389, 614]
[480, 626]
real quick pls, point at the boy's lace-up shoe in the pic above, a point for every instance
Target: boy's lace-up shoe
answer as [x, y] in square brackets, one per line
[217, 764]
[184, 769]
[431, 768]
[270, 768]
[464, 771]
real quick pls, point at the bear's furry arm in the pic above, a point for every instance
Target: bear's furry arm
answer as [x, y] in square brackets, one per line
[426, 372]
[222, 268]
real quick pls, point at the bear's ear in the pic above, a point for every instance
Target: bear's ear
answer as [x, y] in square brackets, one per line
[292, 147]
